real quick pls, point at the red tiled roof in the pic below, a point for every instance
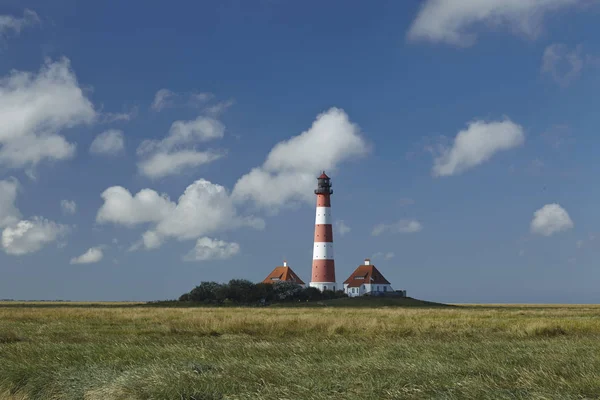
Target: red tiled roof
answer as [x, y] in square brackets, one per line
[283, 274]
[323, 176]
[366, 274]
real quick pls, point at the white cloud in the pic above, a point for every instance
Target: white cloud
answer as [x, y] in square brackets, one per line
[583, 243]
[166, 98]
[342, 228]
[29, 236]
[405, 201]
[181, 133]
[211, 249]
[562, 64]
[93, 255]
[162, 99]
[172, 154]
[203, 209]
[455, 22]
[109, 117]
[386, 256]
[551, 219]
[120, 207]
[402, 226]
[163, 164]
[68, 206]
[477, 144]
[9, 23]
[290, 170]
[217, 109]
[23, 236]
[9, 214]
[110, 142]
[34, 108]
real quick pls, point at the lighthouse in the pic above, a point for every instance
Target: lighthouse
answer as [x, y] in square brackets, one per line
[323, 266]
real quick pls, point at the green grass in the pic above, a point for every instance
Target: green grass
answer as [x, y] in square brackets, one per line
[337, 352]
[366, 302]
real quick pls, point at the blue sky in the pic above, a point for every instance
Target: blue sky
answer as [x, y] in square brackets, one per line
[460, 137]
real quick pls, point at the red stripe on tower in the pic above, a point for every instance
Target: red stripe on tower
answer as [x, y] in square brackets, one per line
[323, 266]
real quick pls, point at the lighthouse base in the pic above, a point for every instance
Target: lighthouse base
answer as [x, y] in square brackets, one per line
[324, 286]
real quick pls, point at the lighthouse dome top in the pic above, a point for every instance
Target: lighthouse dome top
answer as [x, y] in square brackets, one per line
[323, 176]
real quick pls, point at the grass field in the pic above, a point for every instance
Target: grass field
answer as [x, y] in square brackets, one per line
[123, 351]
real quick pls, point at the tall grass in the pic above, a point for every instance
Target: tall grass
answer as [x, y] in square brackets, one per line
[299, 353]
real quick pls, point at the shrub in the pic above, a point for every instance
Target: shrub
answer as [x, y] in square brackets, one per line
[242, 291]
[203, 292]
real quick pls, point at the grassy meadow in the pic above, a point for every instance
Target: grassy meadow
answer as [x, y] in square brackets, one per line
[129, 351]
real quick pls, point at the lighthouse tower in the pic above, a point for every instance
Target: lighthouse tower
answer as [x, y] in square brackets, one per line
[323, 266]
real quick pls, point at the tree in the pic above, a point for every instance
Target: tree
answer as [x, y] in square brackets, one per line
[312, 294]
[240, 291]
[287, 291]
[206, 291]
[185, 297]
[263, 291]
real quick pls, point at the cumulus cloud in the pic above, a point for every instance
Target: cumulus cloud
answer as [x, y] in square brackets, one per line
[289, 172]
[92, 255]
[211, 249]
[402, 226]
[477, 144]
[562, 64]
[551, 219]
[120, 207]
[68, 206]
[204, 208]
[175, 152]
[111, 142]
[34, 108]
[9, 23]
[29, 236]
[342, 228]
[23, 236]
[9, 214]
[455, 21]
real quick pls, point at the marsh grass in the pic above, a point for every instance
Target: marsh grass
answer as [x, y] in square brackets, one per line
[299, 353]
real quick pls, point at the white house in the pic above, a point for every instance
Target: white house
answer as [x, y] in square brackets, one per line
[366, 279]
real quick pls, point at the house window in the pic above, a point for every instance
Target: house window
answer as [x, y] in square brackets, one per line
[325, 287]
[385, 288]
[378, 288]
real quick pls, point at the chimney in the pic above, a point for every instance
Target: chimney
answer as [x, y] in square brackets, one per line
[367, 261]
[284, 263]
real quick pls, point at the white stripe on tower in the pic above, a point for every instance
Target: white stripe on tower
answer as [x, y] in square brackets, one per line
[323, 251]
[323, 216]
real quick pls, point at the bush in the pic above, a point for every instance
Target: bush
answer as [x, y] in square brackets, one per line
[185, 297]
[242, 291]
[206, 291]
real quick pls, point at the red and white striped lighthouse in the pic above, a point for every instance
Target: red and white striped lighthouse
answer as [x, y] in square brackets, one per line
[323, 266]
